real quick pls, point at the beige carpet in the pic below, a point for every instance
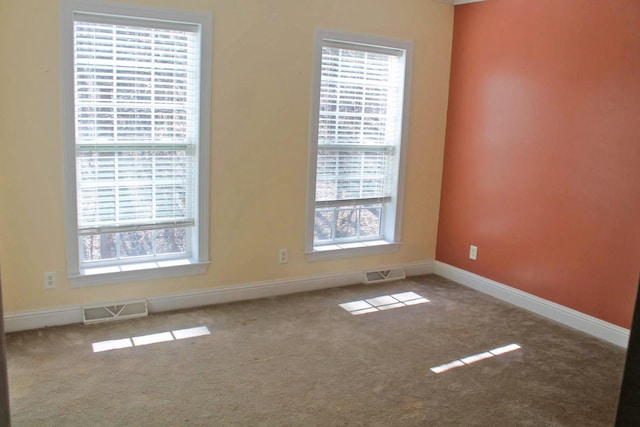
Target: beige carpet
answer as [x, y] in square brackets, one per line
[303, 360]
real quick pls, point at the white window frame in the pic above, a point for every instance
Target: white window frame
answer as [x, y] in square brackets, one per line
[198, 260]
[392, 218]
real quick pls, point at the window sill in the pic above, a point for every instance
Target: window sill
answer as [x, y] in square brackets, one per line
[346, 250]
[136, 272]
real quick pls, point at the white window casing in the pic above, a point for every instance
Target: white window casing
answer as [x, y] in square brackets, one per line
[136, 105]
[358, 137]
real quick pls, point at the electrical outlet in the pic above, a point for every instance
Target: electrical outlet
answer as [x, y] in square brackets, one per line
[284, 256]
[50, 280]
[473, 252]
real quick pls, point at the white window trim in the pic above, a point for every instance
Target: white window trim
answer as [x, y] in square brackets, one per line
[391, 241]
[199, 261]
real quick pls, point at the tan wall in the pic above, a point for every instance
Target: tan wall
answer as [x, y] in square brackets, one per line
[262, 52]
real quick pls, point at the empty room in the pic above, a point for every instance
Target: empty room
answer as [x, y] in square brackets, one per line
[319, 213]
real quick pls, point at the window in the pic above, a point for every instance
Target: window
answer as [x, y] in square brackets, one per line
[135, 92]
[358, 136]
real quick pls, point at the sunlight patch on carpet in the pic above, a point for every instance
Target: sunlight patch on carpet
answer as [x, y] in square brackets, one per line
[152, 339]
[178, 334]
[111, 345]
[475, 358]
[384, 302]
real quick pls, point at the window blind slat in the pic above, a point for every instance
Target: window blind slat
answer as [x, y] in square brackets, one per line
[135, 227]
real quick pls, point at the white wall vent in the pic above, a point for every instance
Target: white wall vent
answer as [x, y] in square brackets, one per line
[117, 311]
[378, 276]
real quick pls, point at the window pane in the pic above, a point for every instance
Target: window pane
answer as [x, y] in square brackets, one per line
[370, 221]
[99, 247]
[343, 175]
[136, 243]
[124, 187]
[358, 95]
[346, 223]
[171, 241]
[113, 246]
[134, 83]
[324, 223]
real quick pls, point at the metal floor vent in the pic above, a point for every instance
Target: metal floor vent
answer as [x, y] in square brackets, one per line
[118, 311]
[378, 276]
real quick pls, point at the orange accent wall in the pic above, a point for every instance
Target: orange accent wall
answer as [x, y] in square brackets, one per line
[542, 154]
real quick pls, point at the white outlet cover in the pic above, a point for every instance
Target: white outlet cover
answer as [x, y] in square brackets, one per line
[473, 252]
[283, 256]
[50, 280]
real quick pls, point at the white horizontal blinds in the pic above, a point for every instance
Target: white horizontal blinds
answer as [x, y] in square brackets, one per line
[359, 128]
[136, 97]
[130, 190]
[359, 124]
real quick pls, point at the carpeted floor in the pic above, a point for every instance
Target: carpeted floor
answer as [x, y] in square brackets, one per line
[303, 360]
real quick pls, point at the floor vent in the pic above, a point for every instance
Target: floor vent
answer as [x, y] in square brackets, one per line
[118, 311]
[378, 276]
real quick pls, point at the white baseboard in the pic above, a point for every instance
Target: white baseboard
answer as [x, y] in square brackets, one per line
[559, 313]
[25, 320]
[419, 268]
[250, 291]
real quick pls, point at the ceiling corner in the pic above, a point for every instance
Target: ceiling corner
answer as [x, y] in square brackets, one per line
[457, 2]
